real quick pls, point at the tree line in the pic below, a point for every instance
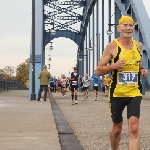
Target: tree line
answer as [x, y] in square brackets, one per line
[21, 73]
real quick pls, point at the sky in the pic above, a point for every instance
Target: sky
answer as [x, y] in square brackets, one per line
[15, 32]
[15, 37]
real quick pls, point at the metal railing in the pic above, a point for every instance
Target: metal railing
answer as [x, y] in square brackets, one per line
[7, 84]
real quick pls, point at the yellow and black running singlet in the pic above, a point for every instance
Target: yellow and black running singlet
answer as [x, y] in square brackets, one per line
[126, 82]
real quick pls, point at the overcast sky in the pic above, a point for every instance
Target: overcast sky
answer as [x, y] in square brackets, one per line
[15, 32]
[15, 36]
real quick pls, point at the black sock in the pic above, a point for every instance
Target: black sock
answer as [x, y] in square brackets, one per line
[72, 97]
[75, 97]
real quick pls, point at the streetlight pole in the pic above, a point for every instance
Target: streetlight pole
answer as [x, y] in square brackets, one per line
[33, 95]
[53, 32]
[109, 15]
[81, 61]
[51, 46]
[109, 32]
[98, 46]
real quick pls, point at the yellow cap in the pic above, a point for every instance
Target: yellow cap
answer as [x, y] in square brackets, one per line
[125, 19]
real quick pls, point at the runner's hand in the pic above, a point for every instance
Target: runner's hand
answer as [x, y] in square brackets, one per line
[119, 64]
[144, 73]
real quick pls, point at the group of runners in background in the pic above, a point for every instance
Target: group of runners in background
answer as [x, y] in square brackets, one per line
[72, 82]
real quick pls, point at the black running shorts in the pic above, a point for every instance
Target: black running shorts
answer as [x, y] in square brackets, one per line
[74, 87]
[95, 88]
[85, 88]
[117, 105]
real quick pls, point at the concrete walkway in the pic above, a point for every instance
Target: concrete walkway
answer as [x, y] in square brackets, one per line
[91, 122]
[29, 124]
[26, 124]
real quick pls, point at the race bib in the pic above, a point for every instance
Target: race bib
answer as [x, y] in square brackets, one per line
[128, 78]
[64, 85]
[74, 82]
[95, 85]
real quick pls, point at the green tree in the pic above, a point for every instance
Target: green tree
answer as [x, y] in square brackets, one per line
[1, 73]
[22, 72]
[8, 72]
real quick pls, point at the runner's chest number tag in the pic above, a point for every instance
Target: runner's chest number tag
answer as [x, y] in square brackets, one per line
[128, 78]
[74, 82]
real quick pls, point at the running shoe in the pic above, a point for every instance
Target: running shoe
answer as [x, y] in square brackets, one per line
[72, 102]
[96, 98]
[76, 102]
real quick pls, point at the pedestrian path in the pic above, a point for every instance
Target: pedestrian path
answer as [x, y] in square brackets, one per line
[30, 125]
[91, 122]
[26, 124]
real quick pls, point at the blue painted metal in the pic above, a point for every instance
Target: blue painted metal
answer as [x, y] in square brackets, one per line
[103, 31]
[55, 16]
[137, 10]
[74, 36]
[89, 51]
[86, 54]
[93, 22]
[37, 83]
[109, 16]
[98, 34]
[64, 29]
[38, 59]
[68, 10]
[87, 11]
[98, 46]
[117, 17]
[81, 63]
[38, 27]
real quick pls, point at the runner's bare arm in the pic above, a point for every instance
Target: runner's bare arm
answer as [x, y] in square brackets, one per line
[103, 67]
[139, 44]
[144, 72]
[69, 78]
[79, 79]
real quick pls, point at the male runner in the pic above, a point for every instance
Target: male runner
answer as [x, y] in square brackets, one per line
[74, 79]
[63, 85]
[124, 57]
[107, 81]
[95, 81]
[86, 83]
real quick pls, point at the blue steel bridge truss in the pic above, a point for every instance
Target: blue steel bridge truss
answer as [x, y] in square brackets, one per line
[62, 11]
[93, 18]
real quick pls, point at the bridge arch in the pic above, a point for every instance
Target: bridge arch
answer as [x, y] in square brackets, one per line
[74, 36]
[63, 56]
